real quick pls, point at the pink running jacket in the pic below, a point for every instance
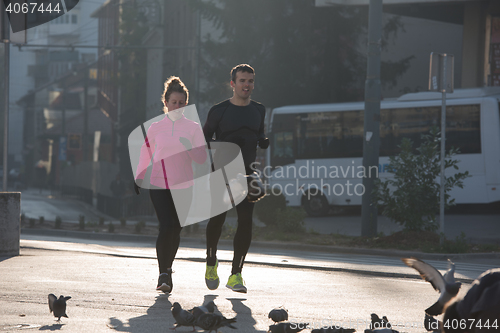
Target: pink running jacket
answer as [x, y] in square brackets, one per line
[172, 161]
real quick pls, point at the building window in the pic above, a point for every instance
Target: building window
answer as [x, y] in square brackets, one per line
[74, 19]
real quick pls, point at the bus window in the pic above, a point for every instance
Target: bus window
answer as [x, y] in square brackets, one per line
[352, 138]
[325, 135]
[282, 139]
[340, 134]
[411, 123]
[283, 145]
[462, 127]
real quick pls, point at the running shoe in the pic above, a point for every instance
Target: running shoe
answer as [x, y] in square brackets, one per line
[236, 283]
[165, 282]
[211, 277]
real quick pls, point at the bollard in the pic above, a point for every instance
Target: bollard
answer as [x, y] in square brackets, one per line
[10, 223]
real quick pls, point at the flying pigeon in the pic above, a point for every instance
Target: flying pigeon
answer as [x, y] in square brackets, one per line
[211, 321]
[278, 315]
[182, 317]
[287, 327]
[482, 302]
[58, 306]
[333, 330]
[205, 308]
[446, 284]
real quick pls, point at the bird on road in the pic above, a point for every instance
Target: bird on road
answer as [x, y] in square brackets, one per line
[278, 314]
[286, 327]
[58, 306]
[182, 317]
[446, 285]
[211, 321]
[205, 308]
[377, 322]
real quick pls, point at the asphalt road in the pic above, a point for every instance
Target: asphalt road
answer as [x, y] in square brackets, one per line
[113, 287]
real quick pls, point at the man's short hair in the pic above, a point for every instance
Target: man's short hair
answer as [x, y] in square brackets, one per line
[241, 68]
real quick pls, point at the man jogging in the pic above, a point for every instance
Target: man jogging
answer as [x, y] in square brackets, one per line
[237, 120]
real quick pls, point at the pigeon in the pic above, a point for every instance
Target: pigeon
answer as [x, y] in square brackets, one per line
[205, 308]
[182, 317]
[58, 306]
[481, 303]
[278, 315]
[333, 330]
[211, 321]
[287, 327]
[379, 323]
[446, 284]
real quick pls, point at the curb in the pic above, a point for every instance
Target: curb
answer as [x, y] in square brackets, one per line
[262, 244]
[89, 235]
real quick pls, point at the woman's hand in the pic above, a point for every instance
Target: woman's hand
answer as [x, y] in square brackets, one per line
[186, 143]
[137, 188]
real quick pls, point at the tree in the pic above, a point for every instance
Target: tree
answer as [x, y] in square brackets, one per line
[412, 197]
[133, 62]
[131, 78]
[301, 53]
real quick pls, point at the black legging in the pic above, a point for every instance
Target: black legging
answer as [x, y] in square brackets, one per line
[242, 238]
[169, 237]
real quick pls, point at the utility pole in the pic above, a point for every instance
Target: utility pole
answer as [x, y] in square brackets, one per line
[85, 113]
[6, 41]
[441, 77]
[371, 138]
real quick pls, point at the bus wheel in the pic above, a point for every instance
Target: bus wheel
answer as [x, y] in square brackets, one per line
[316, 205]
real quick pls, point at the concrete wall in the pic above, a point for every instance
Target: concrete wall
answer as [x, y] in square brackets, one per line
[10, 223]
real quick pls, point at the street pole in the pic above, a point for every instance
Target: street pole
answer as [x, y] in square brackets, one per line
[441, 80]
[6, 100]
[85, 113]
[371, 138]
[443, 134]
[198, 55]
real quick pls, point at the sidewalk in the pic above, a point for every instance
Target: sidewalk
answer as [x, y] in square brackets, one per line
[477, 228]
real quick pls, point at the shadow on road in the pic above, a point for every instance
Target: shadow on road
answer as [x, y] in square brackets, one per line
[53, 327]
[6, 257]
[243, 312]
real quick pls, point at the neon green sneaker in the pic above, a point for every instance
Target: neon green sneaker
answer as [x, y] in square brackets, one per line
[211, 277]
[236, 283]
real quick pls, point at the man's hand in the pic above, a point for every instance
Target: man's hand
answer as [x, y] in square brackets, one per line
[263, 143]
[186, 143]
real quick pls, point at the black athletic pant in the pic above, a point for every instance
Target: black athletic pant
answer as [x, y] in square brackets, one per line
[242, 238]
[169, 237]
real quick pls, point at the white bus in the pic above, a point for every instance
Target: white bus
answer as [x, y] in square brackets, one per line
[315, 156]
